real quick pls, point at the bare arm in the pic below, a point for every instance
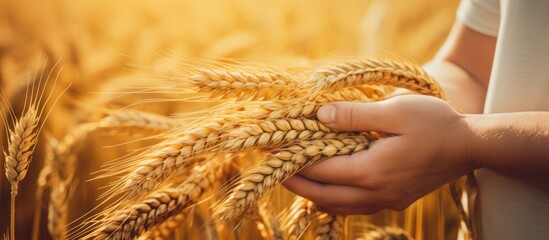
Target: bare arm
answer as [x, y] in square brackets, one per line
[463, 66]
[513, 144]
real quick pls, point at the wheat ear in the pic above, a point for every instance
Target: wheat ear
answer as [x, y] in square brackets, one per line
[329, 227]
[275, 169]
[133, 121]
[179, 152]
[299, 218]
[307, 108]
[267, 222]
[160, 205]
[374, 72]
[21, 144]
[245, 85]
[165, 229]
[275, 132]
[385, 233]
[63, 159]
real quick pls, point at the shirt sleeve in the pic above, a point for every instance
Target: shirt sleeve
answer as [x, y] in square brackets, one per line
[480, 15]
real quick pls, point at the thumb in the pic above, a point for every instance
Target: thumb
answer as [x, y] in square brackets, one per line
[352, 116]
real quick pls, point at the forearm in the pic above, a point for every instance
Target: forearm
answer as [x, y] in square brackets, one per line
[513, 144]
[462, 90]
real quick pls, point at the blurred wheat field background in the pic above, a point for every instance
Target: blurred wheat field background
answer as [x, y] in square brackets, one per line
[106, 56]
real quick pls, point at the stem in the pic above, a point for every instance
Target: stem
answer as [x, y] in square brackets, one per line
[12, 216]
[37, 213]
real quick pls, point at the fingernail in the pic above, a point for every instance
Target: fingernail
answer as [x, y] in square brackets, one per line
[327, 114]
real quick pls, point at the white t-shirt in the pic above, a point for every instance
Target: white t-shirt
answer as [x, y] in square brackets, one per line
[519, 82]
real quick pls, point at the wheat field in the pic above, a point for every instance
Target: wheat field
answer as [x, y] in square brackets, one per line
[179, 120]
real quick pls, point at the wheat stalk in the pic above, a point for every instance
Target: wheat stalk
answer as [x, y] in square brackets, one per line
[272, 171]
[21, 144]
[374, 72]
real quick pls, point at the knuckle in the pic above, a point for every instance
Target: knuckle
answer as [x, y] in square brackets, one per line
[349, 118]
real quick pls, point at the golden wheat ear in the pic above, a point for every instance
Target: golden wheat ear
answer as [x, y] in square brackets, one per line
[278, 167]
[22, 136]
[244, 85]
[383, 233]
[298, 218]
[374, 72]
[160, 205]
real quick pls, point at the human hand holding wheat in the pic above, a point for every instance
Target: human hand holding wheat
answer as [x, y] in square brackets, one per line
[427, 149]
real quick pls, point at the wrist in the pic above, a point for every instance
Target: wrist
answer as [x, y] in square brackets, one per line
[474, 140]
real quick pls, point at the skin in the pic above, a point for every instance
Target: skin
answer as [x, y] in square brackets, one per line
[433, 142]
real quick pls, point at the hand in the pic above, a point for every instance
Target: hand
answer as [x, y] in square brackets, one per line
[428, 149]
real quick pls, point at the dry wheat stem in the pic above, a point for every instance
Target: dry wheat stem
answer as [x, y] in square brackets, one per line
[245, 84]
[299, 218]
[374, 72]
[328, 226]
[160, 205]
[275, 169]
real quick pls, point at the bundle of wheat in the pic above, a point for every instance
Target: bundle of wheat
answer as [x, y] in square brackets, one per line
[277, 120]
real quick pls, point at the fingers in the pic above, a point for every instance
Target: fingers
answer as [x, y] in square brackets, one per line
[360, 169]
[351, 116]
[328, 195]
